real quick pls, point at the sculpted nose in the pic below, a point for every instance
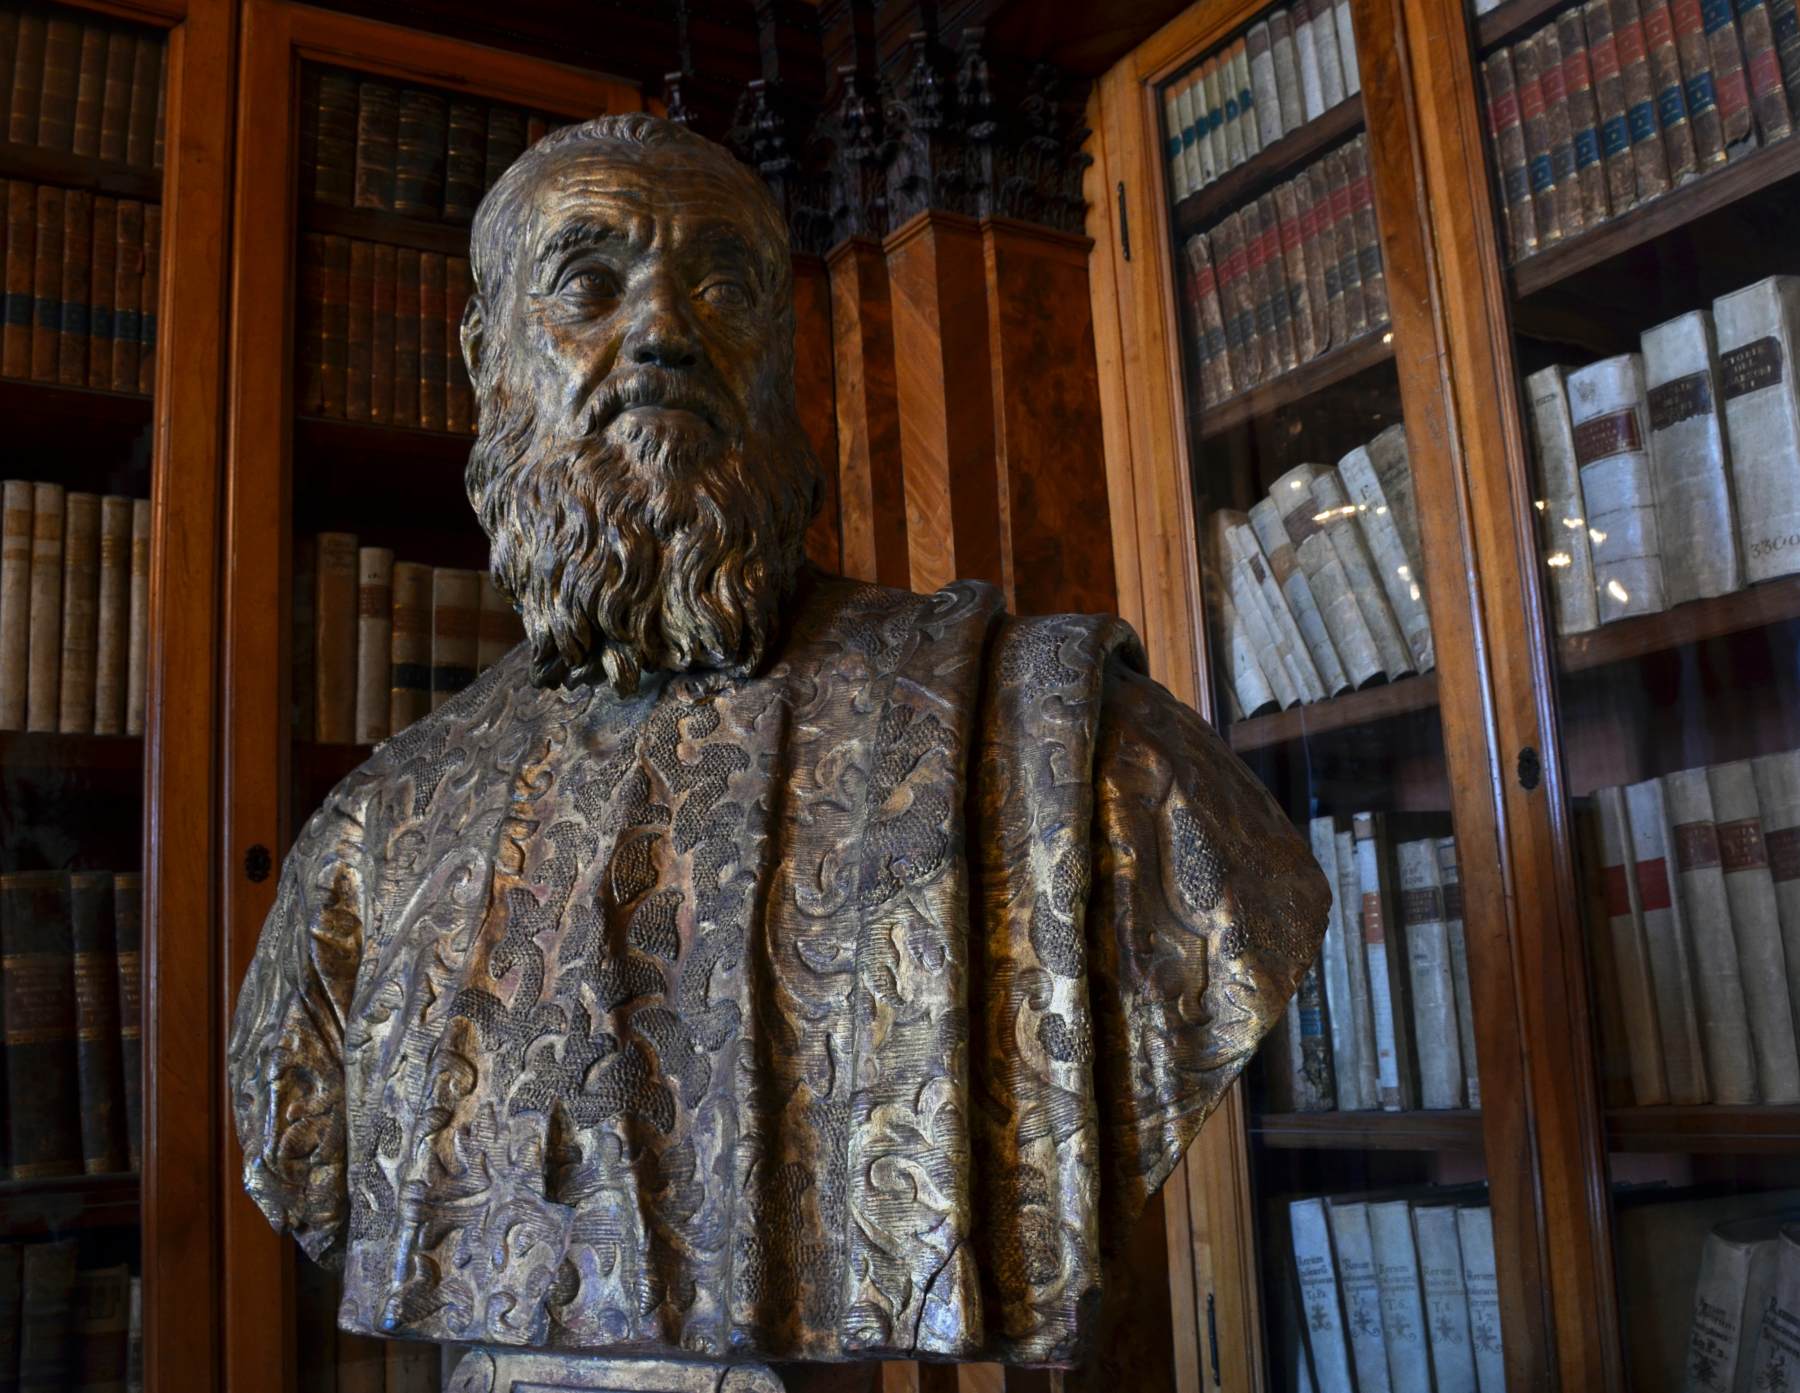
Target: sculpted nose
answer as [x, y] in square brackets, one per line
[661, 335]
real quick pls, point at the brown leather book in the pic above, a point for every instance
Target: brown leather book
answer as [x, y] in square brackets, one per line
[1343, 217]
[1506, 133]
[77, 287]
[137, 660]
[309, 327]
[128, 937]
[465, 162]
[431, 341]
[1315, 260]
[1694, 77]
[334, 324]
[103, 267]
[80, 612]
[1731, 84]
[1647, 151]
[37, 982]
[56, 101]
[419, 154]
[90, 87]
[1769, 93]
[150, 301]
[335, 639]
[47, 1316]
[112, 627]
[1584, 118]
[46, 286]
[381, 335]
[334, 158]
[115, 99]
[1263, 346]
[505, 142]
[43, 667]
[1665, 85]
[359, 310]
[128, 290]
[1368, 233]
[1609, 97]
[21, 266]
[406, 337]
[27, 80]
[1552, 76]
[377, 131]
[99, 1074]
[146, 78]
[1534, 121]
[459, 403]
[1293, 256]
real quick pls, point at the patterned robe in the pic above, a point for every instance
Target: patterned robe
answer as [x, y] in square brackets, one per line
[846, 1011]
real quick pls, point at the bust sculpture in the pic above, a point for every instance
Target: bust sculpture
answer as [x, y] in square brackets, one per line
[755, 964]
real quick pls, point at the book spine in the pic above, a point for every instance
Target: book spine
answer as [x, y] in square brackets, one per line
[1433, 987]
[455, 619]
[138, 658]
[1228, 264]
[115, 102]
[419, 154]
[1232, 148]
[1315, 1269]
[1248, 552]
[500, 626]
[1176, 112]
[1450, 877]
[1285, 57]
[1630, 951]
[1778, 1341]
[1731, 84]
[1768, 88]
[97, 1066]
[1209, 130]
[1669, 940]
[44, 666]
[1312, 260]
[1352, 549]
[1705, 128]
[1189, 288]
[1306, 54]
[409, 684]
[1343, 216]
[1757, 327]
[1609, 99]
[1247, 684]
[46, 319]
[1325, 244]
[334, 638]
[1724, 1018]
[1346, 36]
[1402, 1304]
[1399, 577]
[1334, 963]
[90, 86]
[1784, 27]
[406, 337]
[128, 290]
[1271, 534]
[128, 938]
[334, 324]
[46, 1322]
[80, 613]
[1196, 133]
[1209, 320]
[377, 133]
[27, 79]
[56, 98]
[1689, 468]
[431, 341]
[381, 334]
[1368, 237]
[334, 159]
[149, 308]
[15, 602]
[1584, 118]
[1348, 885]
[1648, 156]
[1325, 45]
[1247, 601]
[1719, 1318]
[1767, 964]
[1281, 300]
[1553, 77]
[113, 616]
[1259, 50]
[1355, 646]
[1475, 1234]
[374, 642]
[1246, 99]
[1309, 1061]
[77, 261]
[1567, 555]
[1606, 405]
[1446, 1299]
[146, 82]
[1385, 948]
[134, 1338]
[1360, 1285]
[21, 270]
[37, 982]
[359, 313]
[1534, 121]
[102, 269]
[1672, 115]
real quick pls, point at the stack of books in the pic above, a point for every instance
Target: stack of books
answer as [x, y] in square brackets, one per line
[69, 1318]
[1383, 1018]
[365, 143]
[1285, 278]
[1317, 589]
[80, 288]
[1701, 881]
[74, 616]
[1615, 102]
[1393, 1293]
[378, 643]
[70, 944]
[1673, 474]
[82, 86]
[1290, 67]
[380, 335]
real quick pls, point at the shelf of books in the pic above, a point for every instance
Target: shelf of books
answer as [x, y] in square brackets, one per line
[1645, 172]
[1373, 1231]
[81, 153]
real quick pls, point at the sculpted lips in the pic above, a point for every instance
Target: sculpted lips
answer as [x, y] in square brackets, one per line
[649, 390]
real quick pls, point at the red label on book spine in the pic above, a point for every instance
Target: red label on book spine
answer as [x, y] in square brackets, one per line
[1605, 56]
[1783, 848]
[1765, 70]
[1730, 91]
[1531, 99]
[1503, 113]
[1653, 885]
[1576, 74]
[1660, 23]
[1618, 893]
[1630, 39]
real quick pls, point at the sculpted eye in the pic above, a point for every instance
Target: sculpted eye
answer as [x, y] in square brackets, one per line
[590, 282]
[730, 295]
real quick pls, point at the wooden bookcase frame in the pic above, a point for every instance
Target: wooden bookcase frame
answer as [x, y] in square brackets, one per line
[277, 37]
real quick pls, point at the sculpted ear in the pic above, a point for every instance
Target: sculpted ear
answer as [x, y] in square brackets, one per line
[474, 334]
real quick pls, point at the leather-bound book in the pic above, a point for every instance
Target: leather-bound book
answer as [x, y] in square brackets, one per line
[303, 634]
[15, 601]
[1343, 216]
[1194, 271]
[406, 337]
[77, 286]
[419, 154]
[409, 682]
[334, 627]
[1609, 98]
[455, 620]
[1507, 132]
[1769, 95]
[146, 78]
[112, 647]
[334, 324]
[1534, 121]
[1672, 116]
[103, 267]
[431, 341]
[56, 100]
[334, 139]
[128, 939]
[1209, 317]
[21, 272]
[1730, 82]
[1229, 265]
[115, 99]
[459, 402]
[1368, 235]
[102, 1319]
[151, 298]
[27, 80]
[500, 625]
[359, 308]
[465, 163]
[98, 1070]
[1647, 153]
[46, 285]
[1696, 75]
[1784, 25]
[37, 982]
[1553, 77]
[80, 612]
[90, 88]
[128, 290]
[47, 1319]
[1584, 117]
[44, 667]
[374, 642]
[505, 142]
[138, 657]
[381, 334]
[377, 130]
[1259, 340]
[11, 1255]
[309, 330]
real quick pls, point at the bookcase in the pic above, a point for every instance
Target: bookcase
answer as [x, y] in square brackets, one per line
[1603, 484]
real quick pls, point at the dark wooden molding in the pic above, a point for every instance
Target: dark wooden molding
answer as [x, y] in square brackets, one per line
[1457, 1129]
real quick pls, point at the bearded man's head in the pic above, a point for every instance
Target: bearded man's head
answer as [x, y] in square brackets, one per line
[640, 468]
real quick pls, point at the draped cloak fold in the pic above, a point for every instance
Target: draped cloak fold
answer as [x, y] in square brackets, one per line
[850, 1010]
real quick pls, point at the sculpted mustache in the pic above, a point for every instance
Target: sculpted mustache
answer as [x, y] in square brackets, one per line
[650, 386]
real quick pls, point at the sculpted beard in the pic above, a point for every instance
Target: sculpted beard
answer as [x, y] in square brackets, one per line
[640, 549]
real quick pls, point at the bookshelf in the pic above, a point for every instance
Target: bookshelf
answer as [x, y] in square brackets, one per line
[1451, 1130]
[1200, 208]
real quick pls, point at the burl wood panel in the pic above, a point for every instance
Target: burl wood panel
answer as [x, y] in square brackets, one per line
[814, 375]
[1049, 452]
[871, 494]
[945, 388]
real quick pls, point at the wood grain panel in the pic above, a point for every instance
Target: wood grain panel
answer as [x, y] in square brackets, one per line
[814, 375]
[1049, 450]
[871, 493]
[944, 385]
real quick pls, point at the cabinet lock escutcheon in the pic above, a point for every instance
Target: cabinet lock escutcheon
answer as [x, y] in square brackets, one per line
[1531, 770]
[258, 863]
